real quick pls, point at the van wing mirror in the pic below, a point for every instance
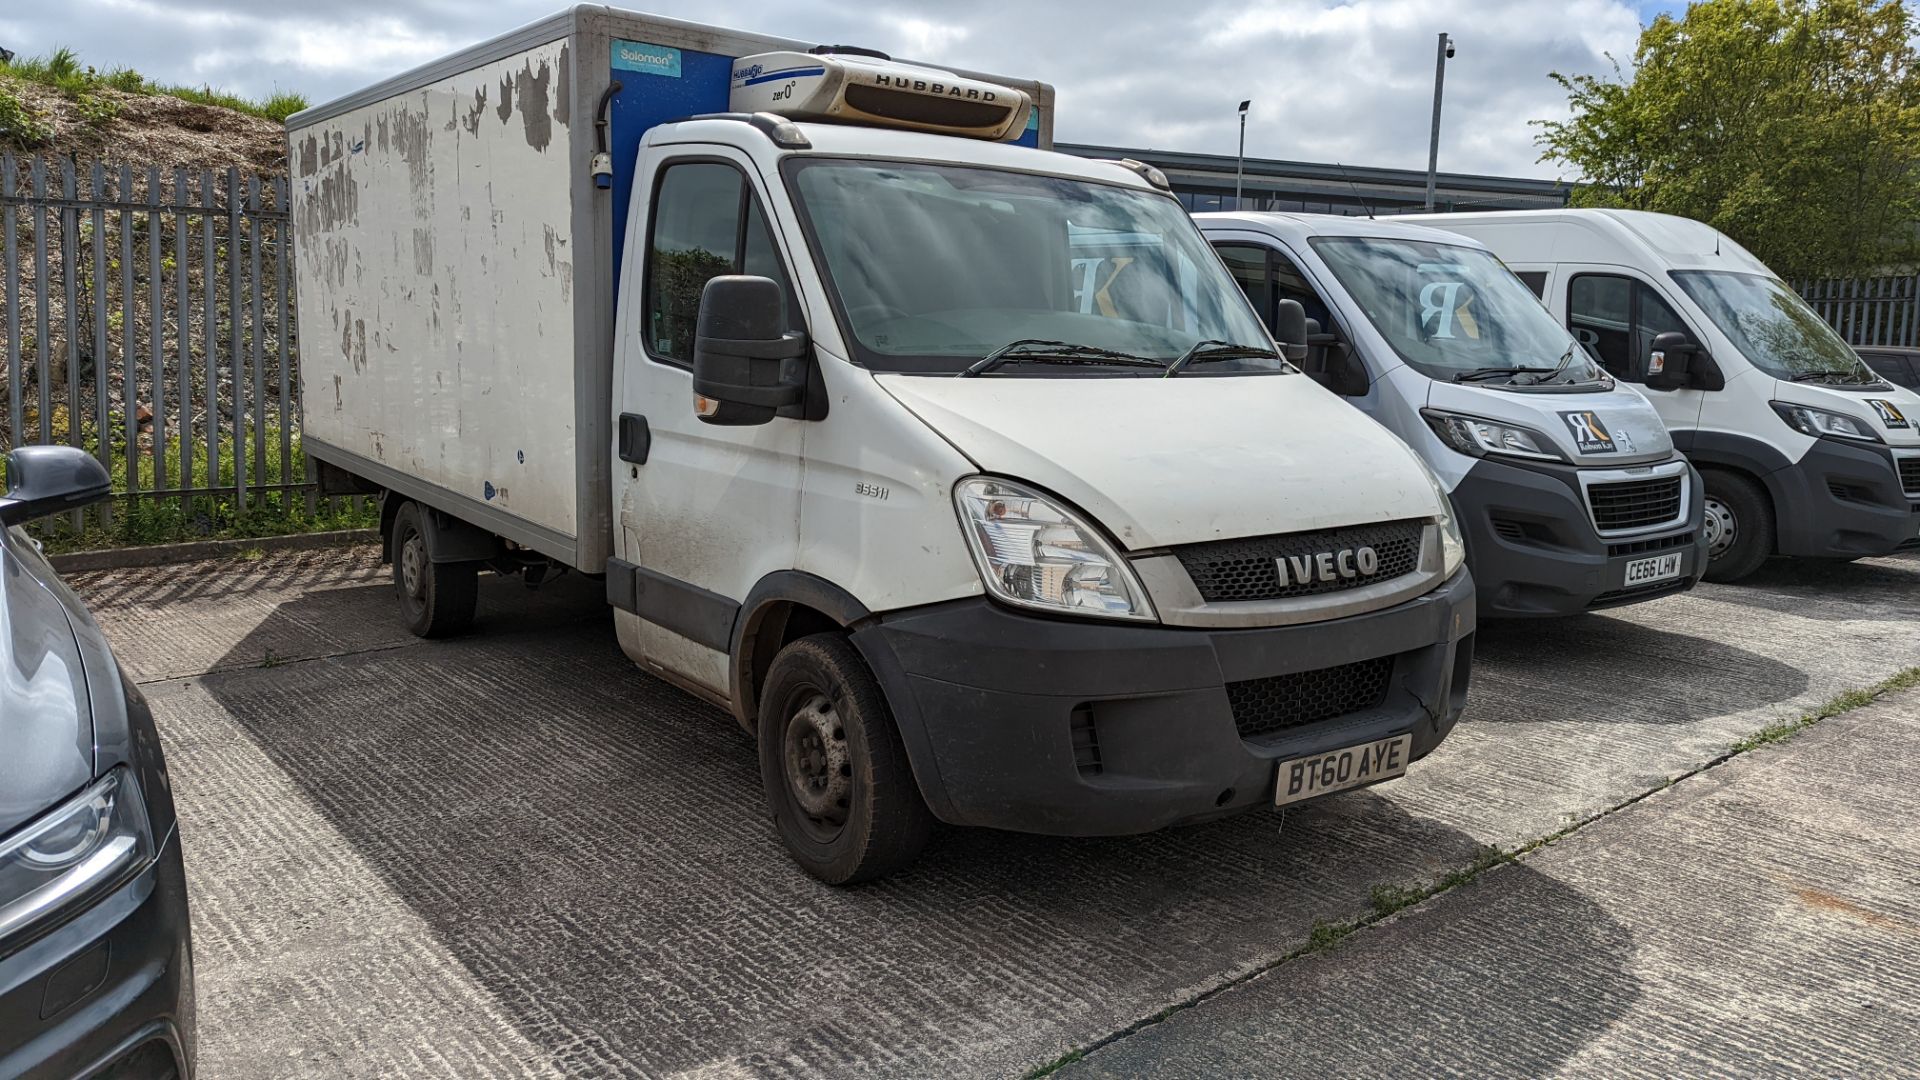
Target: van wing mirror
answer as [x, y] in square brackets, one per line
[1333, 364]
[1669, 360]
[746, 365]
[44, 480]
[1290, 330]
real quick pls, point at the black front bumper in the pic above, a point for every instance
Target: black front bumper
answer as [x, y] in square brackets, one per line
[113, 986]
[1843, 500]
[988, 701]
[1533, 549]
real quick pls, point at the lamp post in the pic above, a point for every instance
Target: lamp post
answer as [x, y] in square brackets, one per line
[1441, 55]
[1240, 163]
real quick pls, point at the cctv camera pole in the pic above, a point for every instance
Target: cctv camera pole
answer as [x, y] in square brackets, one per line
[1441, 53]
[1240, 163]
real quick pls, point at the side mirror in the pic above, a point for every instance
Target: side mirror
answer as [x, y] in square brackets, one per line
[1333, 364]
[746, 365]
[1290, 330]
[1669, 360]
[45, 480]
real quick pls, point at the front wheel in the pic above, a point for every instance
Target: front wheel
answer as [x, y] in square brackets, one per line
[837, 779]
[1739, 526]
[436, 599]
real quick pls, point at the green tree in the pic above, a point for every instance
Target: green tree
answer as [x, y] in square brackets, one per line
[1791, 125]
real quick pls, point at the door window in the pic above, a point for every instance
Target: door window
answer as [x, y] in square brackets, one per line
[1535, 280]
[1248, 265]
[706, 222]
[1618, 318]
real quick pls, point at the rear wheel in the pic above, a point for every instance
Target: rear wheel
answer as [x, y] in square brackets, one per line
[436, 599]
[1739, 525]
[837, 780]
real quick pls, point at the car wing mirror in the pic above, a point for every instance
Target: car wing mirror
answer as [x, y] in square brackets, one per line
[746, 365]
[1669, 360]
[43, 480]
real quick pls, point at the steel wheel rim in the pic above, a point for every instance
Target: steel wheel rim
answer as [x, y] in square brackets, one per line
[413, 568]
[816, 765]
[1722, 528]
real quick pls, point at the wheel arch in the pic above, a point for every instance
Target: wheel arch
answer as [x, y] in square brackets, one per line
[782, 607]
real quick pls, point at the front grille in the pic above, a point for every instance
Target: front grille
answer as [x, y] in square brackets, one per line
[1617, 596]
[1279, 702]
[1635, 504]
[1229, 570]
[1910, 475]
[1642, 547]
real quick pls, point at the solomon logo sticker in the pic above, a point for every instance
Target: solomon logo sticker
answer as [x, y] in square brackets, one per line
[1889, 414]
[1590, 436]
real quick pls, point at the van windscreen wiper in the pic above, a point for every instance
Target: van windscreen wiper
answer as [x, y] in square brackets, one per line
[1059, 352]
[1848, 377]
[1215, 349]
[1478, 374]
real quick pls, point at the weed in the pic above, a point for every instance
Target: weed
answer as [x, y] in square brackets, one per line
[1782, 730]
[62, 70]
[20, 124]
[270, 660]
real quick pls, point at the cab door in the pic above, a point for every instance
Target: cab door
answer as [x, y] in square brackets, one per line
[1617, 315]
[702, 511]
[1268, 274]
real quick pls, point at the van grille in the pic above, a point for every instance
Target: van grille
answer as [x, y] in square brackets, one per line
[1280, 702]
[1635, 504]
[1658, 543]
[1233, 570]
[1910, 475]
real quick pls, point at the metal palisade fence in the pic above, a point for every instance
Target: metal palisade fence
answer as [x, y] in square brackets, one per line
[1869, 311]
[147, 317]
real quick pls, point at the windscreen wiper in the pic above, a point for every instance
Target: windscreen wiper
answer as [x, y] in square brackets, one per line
[1823, 376]
[1215, 349]
[1565, 359]
[1058, 352]
[1478, 374]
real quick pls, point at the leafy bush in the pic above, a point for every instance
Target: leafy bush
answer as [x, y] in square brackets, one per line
[20, 125]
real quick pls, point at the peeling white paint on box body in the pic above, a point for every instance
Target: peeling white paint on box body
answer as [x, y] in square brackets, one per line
[436, 273]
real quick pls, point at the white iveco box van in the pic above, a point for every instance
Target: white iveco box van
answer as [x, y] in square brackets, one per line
[825, 393]
[1567, 486]
[1805, 451]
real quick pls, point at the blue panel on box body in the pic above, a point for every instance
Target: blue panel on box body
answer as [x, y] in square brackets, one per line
[657, 84]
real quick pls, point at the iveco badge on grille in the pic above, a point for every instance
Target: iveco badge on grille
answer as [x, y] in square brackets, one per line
[1328, 566]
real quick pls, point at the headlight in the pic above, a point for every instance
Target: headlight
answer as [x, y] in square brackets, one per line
[88, 841]
[1035, 554]
[1821, 423]
[1476, 437]
[1453, 549]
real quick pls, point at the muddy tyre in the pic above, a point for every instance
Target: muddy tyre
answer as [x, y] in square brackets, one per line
[1739, 525]
[842, 795]
[436, 599]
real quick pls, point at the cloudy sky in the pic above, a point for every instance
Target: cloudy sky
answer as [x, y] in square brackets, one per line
[1330, 81]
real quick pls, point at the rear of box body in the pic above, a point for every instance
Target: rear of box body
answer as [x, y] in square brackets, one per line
[456, 265]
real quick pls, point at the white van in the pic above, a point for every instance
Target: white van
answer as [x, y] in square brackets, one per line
[1805, 450]
[1565, 483]
[958, 527]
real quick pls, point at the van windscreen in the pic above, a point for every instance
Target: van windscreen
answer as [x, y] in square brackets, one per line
[1773, 328]
[934, 266]
[1455, 312]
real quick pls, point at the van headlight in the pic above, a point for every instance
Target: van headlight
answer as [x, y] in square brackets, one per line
[1034, 553]
[1453, 549]
[1477, 437]
[1820, 423]
[90, 840]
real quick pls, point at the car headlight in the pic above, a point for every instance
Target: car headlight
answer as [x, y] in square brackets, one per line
[1477, 437]
[1038, 555]
[88, 841]
[1820, 423]
[1453, 548]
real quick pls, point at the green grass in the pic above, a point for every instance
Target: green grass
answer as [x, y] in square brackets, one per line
[1783, 730]
[147, 519]
[61, 69]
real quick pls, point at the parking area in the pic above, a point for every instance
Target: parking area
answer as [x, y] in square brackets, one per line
[515, 854]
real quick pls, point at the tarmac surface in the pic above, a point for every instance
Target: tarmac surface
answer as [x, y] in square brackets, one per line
[515, 854]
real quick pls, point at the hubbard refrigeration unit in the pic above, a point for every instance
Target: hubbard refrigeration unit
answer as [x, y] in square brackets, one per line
[946, 463]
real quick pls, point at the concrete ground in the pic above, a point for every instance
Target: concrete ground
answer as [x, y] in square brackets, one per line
[514, 854]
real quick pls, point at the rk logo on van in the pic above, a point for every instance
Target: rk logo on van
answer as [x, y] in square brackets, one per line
[1590, 435]
[1890, 414]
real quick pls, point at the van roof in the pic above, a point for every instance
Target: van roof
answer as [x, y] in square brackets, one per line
[1289, 226]
[1622, 237]
[854, 140]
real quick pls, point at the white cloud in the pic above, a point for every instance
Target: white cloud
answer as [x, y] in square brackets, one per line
[1345, 80]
